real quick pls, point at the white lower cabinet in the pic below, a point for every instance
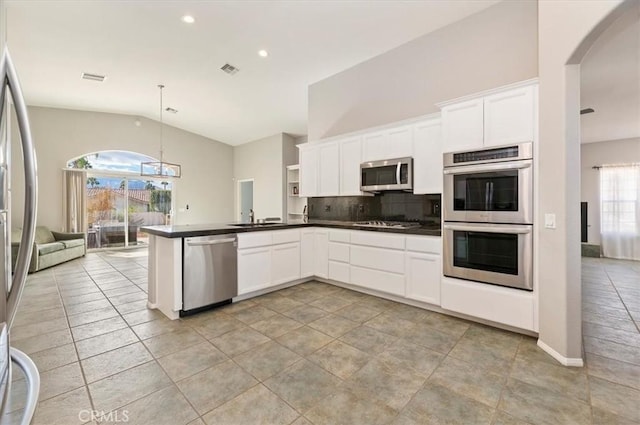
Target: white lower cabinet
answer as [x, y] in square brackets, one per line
[423, 273]
[377, 261]
[503, 305]
[285, 261]
[321, 253]
[307, 252]
[378, 280]
[254, 269]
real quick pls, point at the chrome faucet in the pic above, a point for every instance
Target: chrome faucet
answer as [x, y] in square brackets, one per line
[252, 216]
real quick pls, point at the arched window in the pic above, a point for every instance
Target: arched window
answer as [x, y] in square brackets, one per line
[118, 198]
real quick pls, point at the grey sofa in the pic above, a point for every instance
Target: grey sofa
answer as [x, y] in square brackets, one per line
[50, 248]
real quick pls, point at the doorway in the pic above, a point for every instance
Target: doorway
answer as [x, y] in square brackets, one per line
[245, 200]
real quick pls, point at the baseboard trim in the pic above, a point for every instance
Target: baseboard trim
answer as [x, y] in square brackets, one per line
[566, 361]
[151, 306]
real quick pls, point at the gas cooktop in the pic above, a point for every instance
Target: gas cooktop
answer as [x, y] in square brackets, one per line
[388, 224]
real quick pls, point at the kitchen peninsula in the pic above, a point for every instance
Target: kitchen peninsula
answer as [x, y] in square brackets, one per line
[276, 255]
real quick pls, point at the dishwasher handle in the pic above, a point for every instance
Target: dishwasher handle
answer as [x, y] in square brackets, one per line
[211, 242]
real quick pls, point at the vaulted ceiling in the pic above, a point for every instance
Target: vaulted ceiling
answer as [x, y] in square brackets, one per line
[139, 44]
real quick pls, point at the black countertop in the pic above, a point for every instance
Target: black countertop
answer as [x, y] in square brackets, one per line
[191, 230]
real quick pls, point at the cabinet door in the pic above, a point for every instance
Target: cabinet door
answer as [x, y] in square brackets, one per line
[427, 157]
[307, 254]
[399, 143]
[462, 126]
[254, 269]
[308, 171]
[509, 117]
[350, 159]
[329, 169]
[285, 261]
[423, 273]
[373, 146]
[321, 254]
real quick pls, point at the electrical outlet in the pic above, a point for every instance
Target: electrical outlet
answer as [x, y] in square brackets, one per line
[361, 208]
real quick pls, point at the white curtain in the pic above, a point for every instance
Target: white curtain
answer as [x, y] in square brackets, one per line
[74, 200]
[620, 211]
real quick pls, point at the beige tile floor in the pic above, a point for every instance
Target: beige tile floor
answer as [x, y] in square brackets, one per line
[312, 354]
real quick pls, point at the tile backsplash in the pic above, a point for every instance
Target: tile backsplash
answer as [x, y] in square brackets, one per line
[392, 206]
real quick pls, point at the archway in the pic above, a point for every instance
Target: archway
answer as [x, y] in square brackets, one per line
[119, 201]
[561, 48]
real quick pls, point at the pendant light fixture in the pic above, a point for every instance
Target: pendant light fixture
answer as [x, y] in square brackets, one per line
[160, 169]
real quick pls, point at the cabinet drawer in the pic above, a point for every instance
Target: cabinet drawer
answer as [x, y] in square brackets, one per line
[378, 280]
[432, 244]
[503, 305]
[377, 239]
[378, 259]
[339, 271]
[286, 236]
[339, 252]
[339, 236]
[254, 239]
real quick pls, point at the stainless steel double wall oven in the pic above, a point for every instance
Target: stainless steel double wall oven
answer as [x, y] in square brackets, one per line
[488, 215]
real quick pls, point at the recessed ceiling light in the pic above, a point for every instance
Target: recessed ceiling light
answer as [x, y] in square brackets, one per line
[263, 53]
[188, 19]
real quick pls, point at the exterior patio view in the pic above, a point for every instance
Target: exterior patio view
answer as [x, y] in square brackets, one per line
[117, 199]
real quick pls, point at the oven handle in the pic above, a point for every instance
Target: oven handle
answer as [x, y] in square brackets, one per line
[398, 172]
[466, 169]
[490, 228]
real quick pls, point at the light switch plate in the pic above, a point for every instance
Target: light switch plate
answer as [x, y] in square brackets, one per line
[550, 221]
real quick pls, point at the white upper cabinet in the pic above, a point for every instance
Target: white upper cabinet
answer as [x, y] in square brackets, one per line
[462, 125]
[350, 159]
[500, 118]
[329, 169]
[427, 157]
[509, 117]
[308, 170]
[373, 146]
[399, 142]
[391, 143]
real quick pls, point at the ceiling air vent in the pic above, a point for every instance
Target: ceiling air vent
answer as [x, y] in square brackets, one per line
[93, 77]
[171, 110]
[229, 69]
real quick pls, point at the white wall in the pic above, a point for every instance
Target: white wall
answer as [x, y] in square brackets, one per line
[566, 30]
[612, 152]
[492, 48]
[62, 134]
[261, 160]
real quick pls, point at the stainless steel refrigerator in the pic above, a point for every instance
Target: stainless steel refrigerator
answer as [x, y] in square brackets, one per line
[12, 282]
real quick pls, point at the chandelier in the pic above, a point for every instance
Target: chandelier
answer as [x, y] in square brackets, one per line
[160, 168]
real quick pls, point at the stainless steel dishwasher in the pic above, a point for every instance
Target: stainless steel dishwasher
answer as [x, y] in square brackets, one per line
[209, 272]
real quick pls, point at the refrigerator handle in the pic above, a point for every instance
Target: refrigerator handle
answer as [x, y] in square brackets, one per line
[9, 79]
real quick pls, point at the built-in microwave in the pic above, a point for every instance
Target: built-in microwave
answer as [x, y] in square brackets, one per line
[390, 174]
[492, 185]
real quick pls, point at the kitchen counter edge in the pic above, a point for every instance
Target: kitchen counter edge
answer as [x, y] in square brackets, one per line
[186, 231]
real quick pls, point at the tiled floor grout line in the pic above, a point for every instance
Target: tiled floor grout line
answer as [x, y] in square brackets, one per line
[621, 300]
